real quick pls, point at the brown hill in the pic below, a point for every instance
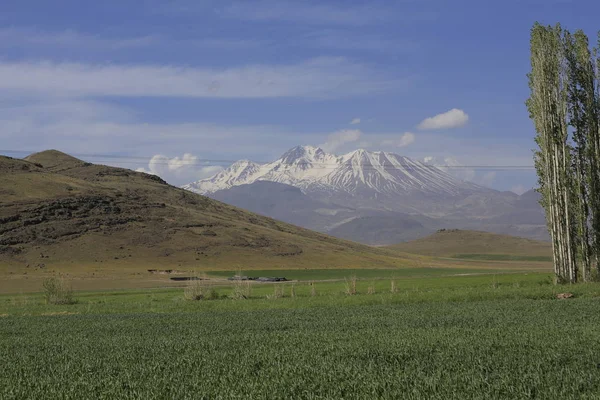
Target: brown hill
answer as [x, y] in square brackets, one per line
[54, 160]
[62, 214]
[477, 245]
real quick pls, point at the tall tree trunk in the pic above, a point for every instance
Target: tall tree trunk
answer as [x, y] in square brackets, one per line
[548, 107]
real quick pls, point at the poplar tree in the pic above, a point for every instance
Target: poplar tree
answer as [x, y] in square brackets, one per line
[565, 107]
[548, 108]
[583, 117]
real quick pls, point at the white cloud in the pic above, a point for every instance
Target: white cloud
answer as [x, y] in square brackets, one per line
[316, 78]
[404, 140]
[355, 121]
[364, 144]
[179, 170]
[454, 118]
[452, 166]
[340, 138]
[84, 127]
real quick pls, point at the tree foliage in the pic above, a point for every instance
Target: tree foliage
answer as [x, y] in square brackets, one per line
[564, 108]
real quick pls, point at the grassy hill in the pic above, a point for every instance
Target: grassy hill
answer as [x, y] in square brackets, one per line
[60, 213]
[476, 245]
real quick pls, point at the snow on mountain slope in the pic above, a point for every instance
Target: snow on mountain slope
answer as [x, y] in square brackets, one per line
[301, 166]
[390, 173]
[313, 170]
[239, 173]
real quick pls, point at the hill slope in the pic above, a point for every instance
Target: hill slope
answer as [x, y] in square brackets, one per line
[385, 229]
[282, 202]
[453, 243]
[60, 212]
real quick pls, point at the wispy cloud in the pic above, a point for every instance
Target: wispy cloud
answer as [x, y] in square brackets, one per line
[403, 140]
[340, 138]
[13, 36]
[454, 118]
[84, 127]
[349, 39]
[486, 179]
[306, 12]
[355, 121]
[179, 170]
[455, 168]
[316, 78]
[77, 126]
[20, 36]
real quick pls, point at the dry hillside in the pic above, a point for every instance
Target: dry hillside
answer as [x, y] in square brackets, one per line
[60, 213]
[453, 242]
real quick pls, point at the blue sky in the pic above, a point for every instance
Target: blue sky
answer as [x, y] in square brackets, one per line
[250, 79]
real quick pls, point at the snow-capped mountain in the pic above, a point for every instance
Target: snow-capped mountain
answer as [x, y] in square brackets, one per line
[359, 172]
[370, 197]
[240, 173]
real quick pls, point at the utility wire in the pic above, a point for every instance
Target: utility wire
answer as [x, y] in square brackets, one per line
[122, 159]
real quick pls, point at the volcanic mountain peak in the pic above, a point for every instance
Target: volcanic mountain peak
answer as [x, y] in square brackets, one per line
[312, 169]
[304, 153]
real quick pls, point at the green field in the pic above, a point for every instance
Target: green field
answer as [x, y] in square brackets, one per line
[502, 257]
[478, 336]
[326, 274]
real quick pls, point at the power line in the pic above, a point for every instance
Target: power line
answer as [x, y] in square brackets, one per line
[122, 159]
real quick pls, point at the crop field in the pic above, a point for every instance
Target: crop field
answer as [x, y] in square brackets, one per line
[326, 274]
[504, 336]
[518, 349]
[502, 257]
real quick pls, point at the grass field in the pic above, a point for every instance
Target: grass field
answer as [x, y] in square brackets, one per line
[410, 289]
[15, 280]
[327, 274]
[502, 257]
[475, 336]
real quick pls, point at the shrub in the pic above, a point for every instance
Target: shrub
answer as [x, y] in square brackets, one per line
[351, 286]
[194, 290]
[212, 294]
[58, 291]
[495, 283]
[371, 288]
[594, 276]
[277, 292]
[241, 290]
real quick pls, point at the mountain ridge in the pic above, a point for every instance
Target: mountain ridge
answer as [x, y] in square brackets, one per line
[314, 170]
[375, 198]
